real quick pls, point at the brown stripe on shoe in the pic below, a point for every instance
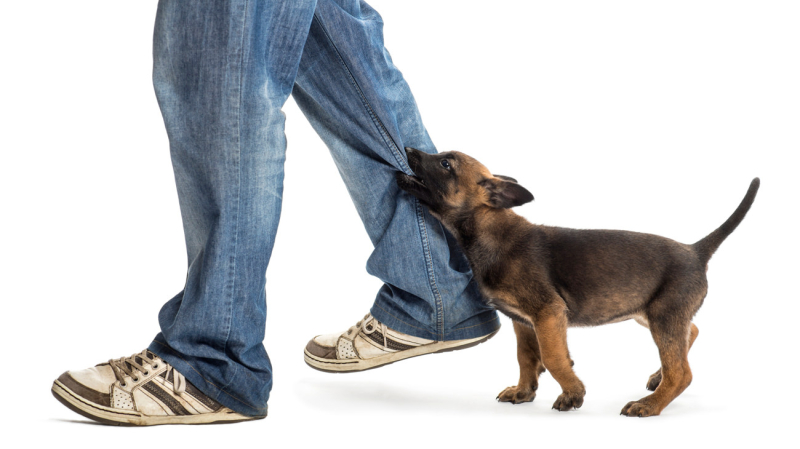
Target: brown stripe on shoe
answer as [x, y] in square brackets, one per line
[176, 407]
[377, 337]
[192, 391]
[85, 392]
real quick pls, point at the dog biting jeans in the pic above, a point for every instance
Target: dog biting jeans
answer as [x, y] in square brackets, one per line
[548, 278]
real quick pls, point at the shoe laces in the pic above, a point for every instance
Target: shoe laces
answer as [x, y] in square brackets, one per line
[368, 325]
[133, 366]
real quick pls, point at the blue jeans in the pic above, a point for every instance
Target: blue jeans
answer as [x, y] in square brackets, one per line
[222, 72]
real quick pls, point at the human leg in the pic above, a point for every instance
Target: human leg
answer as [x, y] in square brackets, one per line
[362, 108]
[222, 71]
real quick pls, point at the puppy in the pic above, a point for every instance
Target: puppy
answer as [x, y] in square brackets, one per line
[547, 278]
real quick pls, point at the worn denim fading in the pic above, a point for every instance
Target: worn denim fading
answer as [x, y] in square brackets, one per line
[222, 72]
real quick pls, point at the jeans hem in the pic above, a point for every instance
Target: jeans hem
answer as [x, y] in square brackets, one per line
[477, 326]
[207, 387]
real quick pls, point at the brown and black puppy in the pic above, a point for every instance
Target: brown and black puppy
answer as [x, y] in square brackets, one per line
[547, 278]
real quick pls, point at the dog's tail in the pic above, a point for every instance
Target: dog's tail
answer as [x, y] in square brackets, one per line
[708, 245]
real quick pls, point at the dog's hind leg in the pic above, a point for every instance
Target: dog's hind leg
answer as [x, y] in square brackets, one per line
[669, 321]
[655, 378]
[530, 367]
[551, 328]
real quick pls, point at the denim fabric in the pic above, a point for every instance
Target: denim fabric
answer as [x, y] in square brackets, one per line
[222, 72]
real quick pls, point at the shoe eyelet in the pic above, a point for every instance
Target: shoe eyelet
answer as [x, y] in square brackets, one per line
[146, 373]
[123, 385]
[135, 380]
[155, 366]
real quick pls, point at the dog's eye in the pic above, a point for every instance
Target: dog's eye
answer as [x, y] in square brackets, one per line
[445, 163]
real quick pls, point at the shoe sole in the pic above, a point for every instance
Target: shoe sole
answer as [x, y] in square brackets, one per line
[356, 365]
[116, 417]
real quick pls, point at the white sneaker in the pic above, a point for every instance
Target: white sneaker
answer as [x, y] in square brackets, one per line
[370, 344]
[141, 390]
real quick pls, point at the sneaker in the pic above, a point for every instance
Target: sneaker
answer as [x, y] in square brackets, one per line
[370, 344]
[140, 390]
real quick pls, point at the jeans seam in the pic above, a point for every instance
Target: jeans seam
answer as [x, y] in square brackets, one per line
[237, 109]
[375, 120]
[394, 149]
[423, 229]
[221, 390]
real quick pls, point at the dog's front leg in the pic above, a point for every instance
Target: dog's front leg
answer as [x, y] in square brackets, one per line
[551, 328]
[530, 367]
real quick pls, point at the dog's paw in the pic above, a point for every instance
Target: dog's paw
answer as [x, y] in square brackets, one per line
[654, 380]
[568, 401]
[639, 408]
[516, 395]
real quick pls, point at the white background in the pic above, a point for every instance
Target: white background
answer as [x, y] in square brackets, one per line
[639, 115]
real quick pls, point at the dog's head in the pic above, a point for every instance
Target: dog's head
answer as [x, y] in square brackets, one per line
[452, 182]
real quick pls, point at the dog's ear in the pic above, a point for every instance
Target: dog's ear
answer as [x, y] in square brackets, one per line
[505, 178]
[505, 194]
